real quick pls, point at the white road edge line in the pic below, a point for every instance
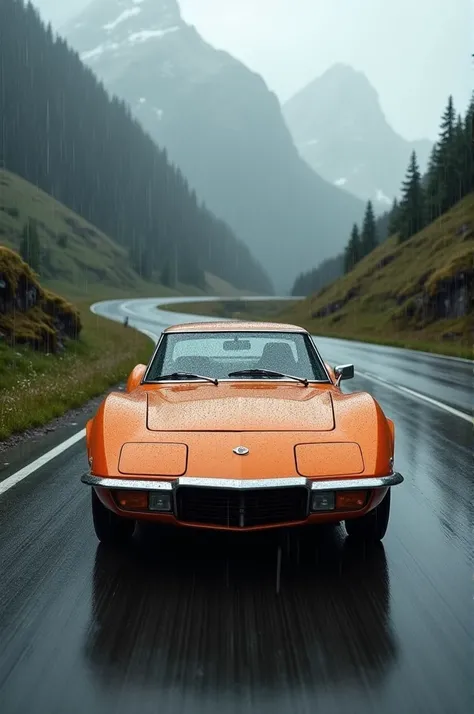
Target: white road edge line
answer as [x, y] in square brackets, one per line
[41, 461]
[17, 477]
[417, 395]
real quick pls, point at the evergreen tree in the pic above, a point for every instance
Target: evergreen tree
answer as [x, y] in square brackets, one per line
[447, 163]
[412, 208]
[448, 121]
[394, 218]
[140, 259]
[461, 158]
[168, 275]
[469, 146]
[60, 130]
[314, 280]
[449, 177]
[382, 225]
[30, 249]
[353, 252]
[369, 231]
[434, 186]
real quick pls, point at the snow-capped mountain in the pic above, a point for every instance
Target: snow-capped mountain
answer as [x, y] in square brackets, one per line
[222, 126]
[339, 128]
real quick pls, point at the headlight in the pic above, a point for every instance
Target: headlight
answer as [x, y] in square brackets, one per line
[159, 501]
[322, 501]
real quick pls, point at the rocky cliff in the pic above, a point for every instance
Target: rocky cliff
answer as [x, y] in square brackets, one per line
[29, 314]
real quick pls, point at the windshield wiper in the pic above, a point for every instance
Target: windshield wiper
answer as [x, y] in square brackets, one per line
[187, 375]
[266, 373]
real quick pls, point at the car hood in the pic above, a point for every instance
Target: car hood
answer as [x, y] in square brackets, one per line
[240, 408]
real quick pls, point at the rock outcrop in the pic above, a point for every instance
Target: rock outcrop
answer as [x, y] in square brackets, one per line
[29, 314]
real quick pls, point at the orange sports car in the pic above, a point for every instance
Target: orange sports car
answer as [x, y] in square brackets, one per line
[239, 426]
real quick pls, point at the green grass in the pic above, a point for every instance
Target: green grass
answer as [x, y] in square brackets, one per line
[83, 265]
[78, 259]
[232, 309]
[35, 388]
[74, 251]
[378, 298]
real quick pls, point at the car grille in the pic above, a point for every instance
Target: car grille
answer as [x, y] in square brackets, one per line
[241, 508]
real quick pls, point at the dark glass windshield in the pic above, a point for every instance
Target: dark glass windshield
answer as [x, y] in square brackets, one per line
[217, 354]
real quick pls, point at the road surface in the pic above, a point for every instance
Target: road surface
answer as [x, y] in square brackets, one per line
[207, 625]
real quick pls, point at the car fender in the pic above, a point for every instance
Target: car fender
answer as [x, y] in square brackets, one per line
[360, 419]
[120, 418]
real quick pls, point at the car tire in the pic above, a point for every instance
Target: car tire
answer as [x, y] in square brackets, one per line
[373, 526]
[109, 528]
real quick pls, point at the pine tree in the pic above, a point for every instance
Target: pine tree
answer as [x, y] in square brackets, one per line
[168, 277]
[447, 175]
[62, 131]
[461, 158]
[394, 218]
[434, 185]
[30, 249]
[412, 208]
[353, 251]
[369, 231]
[448, 122]
[469, 144]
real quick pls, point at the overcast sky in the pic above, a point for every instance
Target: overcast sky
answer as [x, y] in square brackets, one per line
[415, 52]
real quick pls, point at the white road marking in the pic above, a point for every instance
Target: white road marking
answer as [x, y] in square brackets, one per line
[44, 459]
[125, 308]
[417, 395]
[17, 477]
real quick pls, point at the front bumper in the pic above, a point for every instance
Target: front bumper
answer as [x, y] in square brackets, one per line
[346, 484]
[245, 504]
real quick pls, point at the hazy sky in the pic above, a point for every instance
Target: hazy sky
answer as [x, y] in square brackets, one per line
[415, 52]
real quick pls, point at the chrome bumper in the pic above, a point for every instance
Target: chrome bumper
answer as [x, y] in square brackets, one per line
[346, 484]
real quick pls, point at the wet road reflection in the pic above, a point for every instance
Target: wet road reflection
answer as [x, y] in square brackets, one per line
[283, 623]
[278, 621]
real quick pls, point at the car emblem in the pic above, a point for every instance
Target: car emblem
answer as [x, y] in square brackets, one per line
[240, 450]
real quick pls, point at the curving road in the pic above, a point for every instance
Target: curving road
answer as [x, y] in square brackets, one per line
[244, 625]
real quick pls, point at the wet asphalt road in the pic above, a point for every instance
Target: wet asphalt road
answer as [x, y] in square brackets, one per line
[283, 623]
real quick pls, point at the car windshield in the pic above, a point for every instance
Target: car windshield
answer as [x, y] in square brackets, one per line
[218, 354]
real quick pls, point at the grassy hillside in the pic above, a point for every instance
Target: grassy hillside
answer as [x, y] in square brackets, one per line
[53, 355]
[417, 294]
[73, 251]
[78, 260]
[46, 341]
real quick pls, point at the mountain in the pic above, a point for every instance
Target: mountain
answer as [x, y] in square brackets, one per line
[222, 127]
[339, 127]
[61, 132]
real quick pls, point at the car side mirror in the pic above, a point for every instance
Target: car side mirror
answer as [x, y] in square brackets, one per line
[345, 371]
[135, 377]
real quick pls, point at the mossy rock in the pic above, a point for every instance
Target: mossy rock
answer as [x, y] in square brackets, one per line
[29, 314]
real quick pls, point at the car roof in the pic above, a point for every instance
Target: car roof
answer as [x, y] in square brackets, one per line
[235, 326]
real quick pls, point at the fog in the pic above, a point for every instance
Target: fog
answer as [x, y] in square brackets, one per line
[415, 54]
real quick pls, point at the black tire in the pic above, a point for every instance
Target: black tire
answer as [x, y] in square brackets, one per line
[373, 526]
[109, 528]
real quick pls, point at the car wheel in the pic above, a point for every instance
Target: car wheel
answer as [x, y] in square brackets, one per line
[373, 526]
[109, 528]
